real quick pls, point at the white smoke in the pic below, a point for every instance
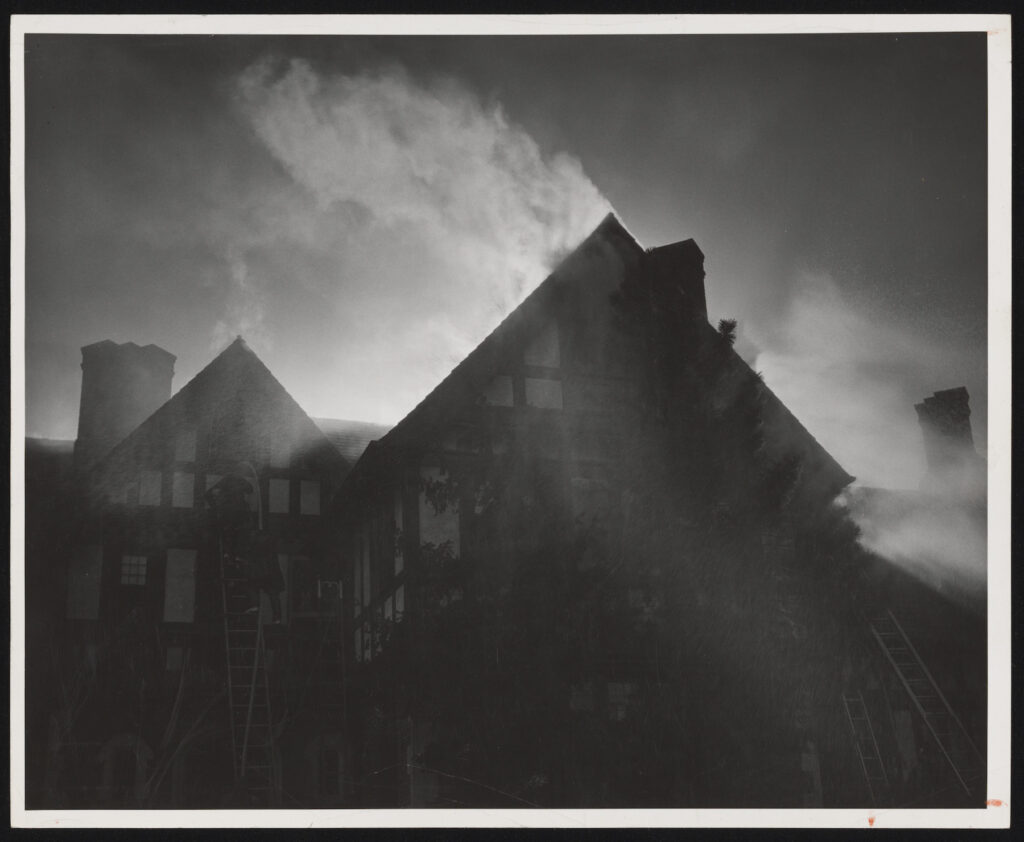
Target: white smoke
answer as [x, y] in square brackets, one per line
[852, 377]
[416, 214]
[243, 309]
[939, 538]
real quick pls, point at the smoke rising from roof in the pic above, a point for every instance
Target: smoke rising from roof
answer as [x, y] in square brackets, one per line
[438, 199]
[938, 537]
[853, 379]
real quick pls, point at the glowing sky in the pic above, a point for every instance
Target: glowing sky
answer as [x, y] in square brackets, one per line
[365, 209]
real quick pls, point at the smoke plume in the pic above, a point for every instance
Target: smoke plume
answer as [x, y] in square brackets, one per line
[431, 209]
[853, 378]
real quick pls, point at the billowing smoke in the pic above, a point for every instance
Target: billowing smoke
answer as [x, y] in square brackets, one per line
[938, 537]
[430, 157]
[429, 208]
[853, 378]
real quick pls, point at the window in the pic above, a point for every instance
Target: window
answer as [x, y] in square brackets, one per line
[131, 494]
[389, 609]
[309, 497]
[183, 490]
[133, 570]
[84, 575]
[499, 391]
[149, 488]
[399, 602]
[359, 645]
[544, 394]
[280, 489]
[180, 586]
[185, 446]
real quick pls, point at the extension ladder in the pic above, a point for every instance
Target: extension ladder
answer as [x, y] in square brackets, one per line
[943, 724]
[867, 746]
[252, 737]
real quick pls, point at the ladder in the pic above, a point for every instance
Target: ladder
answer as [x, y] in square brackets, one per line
[867, 746]
[252, 737]
[945, 727]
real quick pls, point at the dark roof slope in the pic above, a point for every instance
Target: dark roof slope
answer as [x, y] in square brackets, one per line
[479, 364]
[445, 398]
[236, 373]
[350, 438]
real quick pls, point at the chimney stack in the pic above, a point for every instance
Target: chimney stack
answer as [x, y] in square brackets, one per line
[945, 420]
[680, 266]
[122, 385]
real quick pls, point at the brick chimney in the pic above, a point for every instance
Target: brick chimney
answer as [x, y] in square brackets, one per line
[945, 420]
[122, 385]
[680, 266]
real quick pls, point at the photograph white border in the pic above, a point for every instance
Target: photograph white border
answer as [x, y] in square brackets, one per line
[997, 27]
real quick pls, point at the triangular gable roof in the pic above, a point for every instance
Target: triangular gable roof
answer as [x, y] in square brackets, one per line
[235, 369]
[481, 363]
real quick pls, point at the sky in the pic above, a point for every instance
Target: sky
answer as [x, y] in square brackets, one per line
[364, 210]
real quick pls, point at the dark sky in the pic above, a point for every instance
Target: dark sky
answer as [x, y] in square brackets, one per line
[365, 209]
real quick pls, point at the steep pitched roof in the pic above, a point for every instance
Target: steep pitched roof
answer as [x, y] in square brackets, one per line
[480, 361]
[480, 364]
[237, 374]
[351, 438]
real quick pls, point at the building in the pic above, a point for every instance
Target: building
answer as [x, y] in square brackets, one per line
[601, 564]
[128, 585]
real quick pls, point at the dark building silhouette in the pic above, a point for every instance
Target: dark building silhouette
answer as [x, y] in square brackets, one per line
[600, 564]
[128, 697]
[945, 417]
[668, 559]
[122, 385]
[945, 420]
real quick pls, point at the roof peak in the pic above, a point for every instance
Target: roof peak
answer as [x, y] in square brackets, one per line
[611, 223]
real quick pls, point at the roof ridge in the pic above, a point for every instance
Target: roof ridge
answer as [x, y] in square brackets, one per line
[231, 351]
